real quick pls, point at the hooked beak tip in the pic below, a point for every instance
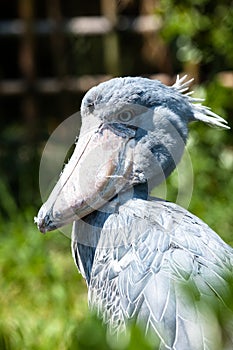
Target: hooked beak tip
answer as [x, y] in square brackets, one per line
[44, 224]
[40, 224]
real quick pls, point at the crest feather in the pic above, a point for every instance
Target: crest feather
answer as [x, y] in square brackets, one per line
[200, 112]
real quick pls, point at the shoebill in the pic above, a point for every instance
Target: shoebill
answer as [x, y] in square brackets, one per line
[143, 258]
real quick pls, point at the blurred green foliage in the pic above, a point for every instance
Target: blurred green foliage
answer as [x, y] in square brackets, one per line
[42, 297]
[199, 31]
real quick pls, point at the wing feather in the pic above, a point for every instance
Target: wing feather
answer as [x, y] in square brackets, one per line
[163, 275]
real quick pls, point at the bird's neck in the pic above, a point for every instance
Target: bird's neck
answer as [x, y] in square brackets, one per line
[141, 191]
[87, 232]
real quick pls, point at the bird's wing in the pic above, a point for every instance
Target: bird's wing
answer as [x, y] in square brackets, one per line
[164, 267]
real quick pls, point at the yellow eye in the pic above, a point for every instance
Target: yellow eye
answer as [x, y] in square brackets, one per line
[125, 116]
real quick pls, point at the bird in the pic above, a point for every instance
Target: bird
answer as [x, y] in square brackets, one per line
[144, 259]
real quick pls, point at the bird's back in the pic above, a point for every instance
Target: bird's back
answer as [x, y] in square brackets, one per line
[155, 262]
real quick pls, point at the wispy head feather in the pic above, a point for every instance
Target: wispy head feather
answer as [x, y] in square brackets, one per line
[200, 112]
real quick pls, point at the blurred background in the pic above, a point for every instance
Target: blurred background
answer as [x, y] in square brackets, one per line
[51, 53]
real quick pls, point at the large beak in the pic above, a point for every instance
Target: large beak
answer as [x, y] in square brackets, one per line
[99, 168]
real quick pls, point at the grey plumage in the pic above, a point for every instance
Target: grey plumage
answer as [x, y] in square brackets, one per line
[143, 273]
[139, 254]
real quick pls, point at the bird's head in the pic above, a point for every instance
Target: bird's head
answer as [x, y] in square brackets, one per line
[133, 131]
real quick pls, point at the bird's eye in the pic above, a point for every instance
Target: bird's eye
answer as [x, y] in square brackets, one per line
[125, 116]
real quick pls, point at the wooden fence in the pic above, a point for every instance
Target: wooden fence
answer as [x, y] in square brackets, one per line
[26, 28]
[113, 19]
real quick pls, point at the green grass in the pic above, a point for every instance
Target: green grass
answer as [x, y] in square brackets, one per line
[42, 296]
